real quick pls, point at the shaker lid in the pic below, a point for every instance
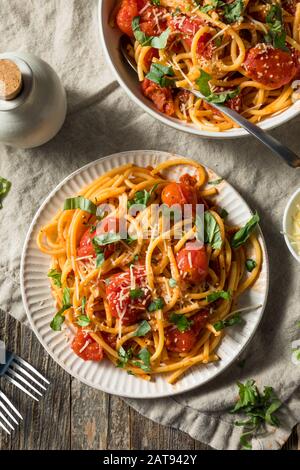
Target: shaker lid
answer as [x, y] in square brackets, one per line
[10, 80]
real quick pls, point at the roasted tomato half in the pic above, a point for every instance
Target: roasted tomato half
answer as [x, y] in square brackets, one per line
[178, 341]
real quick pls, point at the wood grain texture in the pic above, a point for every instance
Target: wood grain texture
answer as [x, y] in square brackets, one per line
[72, 415]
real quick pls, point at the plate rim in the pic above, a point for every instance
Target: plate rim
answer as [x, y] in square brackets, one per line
[292, 112]
[35, 329]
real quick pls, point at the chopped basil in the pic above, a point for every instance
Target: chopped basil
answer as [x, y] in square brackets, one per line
[155, 2]
[144, 362]
[5, 186]
[80, 202]
[223, 213]
[236, 319]
[277, 33]
[124, 356]
[158, 42]
[158, 74]
[250, 264]
[107, 281]
[234, 11]
[143, 329]
[100, 259]
[55, 276]
[259, 408]
[83, 320]
[215, 182]
[219, 294]
[244, 233]
[156, 304]
[172, 283]
[217, 98]
[136, 293]
[59, 318]
[93, 228]
[212, 232]
[142, 197]
[106, 238]
[181, 321]
[213, 5]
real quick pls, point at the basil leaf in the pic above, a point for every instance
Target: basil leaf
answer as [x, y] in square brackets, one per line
[234, 320]
[141, 197]
[106, 238]
[156, 304]
[212, 232]
[220, 294]
[212, 5]
[277, 33]
[80, 202]
[223, 213]
[155, 2]
[181, 321]
[158, 42]
[55, 276]
[143, 329]
[244, 233]
[215, 182]
[5, 186]
[83, 320]
[234, 11]
[217, 98]
[124, 356]
[100, 259]
[136, 293]
[250, 264]
[202, 83]
[172, 283]
[57, 322]
[144, 357]
[158, 74]
[66, 299]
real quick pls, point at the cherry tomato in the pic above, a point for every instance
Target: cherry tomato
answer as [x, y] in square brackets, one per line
[127, 11]
[85, 347]
[178, 341]
[290, 6]
[270, 66]
[121, 304]
[161, 97]
[180, 193]
[192, 262]
[189, 28]
[86, 247]
[152, 20]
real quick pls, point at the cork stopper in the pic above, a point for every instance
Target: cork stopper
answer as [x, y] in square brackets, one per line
[10, 80]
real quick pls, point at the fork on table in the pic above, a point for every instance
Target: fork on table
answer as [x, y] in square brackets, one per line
[8, 414]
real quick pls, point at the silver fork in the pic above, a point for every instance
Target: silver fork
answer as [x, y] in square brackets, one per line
[22, 374]
[7, 410]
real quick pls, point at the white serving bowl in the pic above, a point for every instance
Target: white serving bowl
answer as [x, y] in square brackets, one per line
[129, 81]
[287, 221]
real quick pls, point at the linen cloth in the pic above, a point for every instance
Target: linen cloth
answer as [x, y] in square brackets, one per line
[102, 120]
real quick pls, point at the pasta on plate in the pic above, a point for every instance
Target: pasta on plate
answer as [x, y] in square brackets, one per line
[152, 291]
[244, 54]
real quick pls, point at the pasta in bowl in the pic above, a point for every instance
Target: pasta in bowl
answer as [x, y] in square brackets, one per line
[243, 54]
[146, 270]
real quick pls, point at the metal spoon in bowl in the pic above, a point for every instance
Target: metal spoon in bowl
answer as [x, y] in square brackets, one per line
[273, 144]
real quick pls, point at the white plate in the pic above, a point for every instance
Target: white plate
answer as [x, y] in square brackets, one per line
[40, 308]
[129, 81]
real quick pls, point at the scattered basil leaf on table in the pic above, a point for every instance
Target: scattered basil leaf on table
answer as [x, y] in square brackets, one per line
[5, 186]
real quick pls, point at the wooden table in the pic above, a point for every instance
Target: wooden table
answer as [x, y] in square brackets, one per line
[75, 416]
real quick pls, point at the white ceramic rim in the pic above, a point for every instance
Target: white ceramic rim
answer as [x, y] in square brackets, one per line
[285, 224]
[61, 363]
[269, 123]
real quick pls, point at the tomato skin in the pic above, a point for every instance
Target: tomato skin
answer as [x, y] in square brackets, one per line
[270, 66]
[152, 21]
[192, 262]
[180, 193]
[177, 341]
[290, 6]
[86, 247]
[131, 8]
[127, 11]
[161, 97]
[150, 56]
[93, 352]
[118, 295]
[189, 28]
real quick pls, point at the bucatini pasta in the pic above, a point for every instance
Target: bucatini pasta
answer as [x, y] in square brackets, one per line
[243, 53]
[146, 271]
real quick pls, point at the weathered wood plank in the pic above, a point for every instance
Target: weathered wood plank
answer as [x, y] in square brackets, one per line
[118, 436]
[89, 417]
[47, 422]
